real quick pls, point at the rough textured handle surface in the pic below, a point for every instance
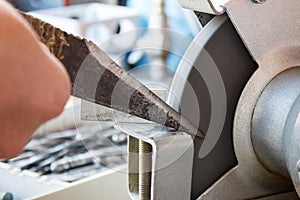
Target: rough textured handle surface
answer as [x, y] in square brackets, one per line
[52, 37]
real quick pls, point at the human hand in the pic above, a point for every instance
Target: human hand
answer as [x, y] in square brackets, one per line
[34, 85]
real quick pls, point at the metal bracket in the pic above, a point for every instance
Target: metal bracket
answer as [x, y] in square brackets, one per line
[160, 162]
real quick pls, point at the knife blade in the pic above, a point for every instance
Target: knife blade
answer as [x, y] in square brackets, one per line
[97, 78]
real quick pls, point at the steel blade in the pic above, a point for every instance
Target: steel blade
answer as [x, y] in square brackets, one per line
[97, 78]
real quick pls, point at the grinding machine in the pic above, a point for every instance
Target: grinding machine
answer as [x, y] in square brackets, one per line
[238, 83]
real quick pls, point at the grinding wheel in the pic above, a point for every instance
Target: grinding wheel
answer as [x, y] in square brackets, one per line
[206, 89]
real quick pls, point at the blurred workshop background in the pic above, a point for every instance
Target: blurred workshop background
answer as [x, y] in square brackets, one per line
[180, 25]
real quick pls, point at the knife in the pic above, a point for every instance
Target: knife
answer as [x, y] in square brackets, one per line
[98, 79]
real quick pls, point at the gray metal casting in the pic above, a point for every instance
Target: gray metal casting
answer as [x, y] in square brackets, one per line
[275, 126]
